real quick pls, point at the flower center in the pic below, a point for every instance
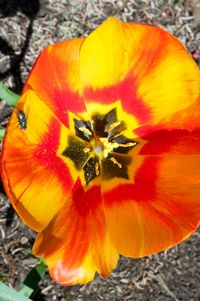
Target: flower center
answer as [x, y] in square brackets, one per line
[99, 147]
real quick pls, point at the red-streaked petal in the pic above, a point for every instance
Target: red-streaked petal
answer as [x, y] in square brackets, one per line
[55, 78]
[185, 119]
[153, 81]
[160, 209]
[35, 177]
[76, 244]
[171, 142]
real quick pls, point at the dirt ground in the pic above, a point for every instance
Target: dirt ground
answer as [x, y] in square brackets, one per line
[26, 27]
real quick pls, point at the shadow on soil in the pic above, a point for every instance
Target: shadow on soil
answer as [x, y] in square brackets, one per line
[31, 9]
[38, 296]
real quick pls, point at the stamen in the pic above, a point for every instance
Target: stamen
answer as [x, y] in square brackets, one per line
[86, 150]
[85, 130]
[97, 169]
[100, 147]
[112, 126]
[116, 162]
[128, 144]
[107, 146]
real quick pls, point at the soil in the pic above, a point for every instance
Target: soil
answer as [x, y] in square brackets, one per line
[26, 27]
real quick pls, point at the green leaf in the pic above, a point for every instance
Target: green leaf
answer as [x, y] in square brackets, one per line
[3, 277]
[6, 94]
[9, 294]
[33, 278]
[2, 133]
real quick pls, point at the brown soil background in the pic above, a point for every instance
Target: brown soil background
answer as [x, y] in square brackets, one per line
[26, 27]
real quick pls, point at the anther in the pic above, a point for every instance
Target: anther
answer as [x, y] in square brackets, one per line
[116, 162]
[128, 144]
[85, 130]
[97, 171]
[86, 150]
[112, 126]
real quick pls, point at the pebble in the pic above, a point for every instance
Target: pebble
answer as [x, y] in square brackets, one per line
[24, 240]
[120, 4]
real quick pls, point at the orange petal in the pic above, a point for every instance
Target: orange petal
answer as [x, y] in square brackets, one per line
[148, 69]
[55, 78]
[34, 176]
[187, 118]
[158, 210]
[75, 244]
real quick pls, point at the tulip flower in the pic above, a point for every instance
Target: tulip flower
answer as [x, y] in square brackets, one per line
[102, 153]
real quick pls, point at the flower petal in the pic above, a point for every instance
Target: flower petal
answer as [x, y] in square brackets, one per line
[179, 141]
[35, 178]
[158, 210]
[55, 78]
[152, 81]
[75, 244]
[187, 118]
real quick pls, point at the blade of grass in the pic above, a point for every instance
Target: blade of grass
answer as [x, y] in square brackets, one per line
[9, 294]
[6, 94]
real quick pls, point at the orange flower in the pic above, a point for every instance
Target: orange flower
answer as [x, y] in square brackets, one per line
[102, 153]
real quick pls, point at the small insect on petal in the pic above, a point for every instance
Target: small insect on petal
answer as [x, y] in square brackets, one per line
[22, 119]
